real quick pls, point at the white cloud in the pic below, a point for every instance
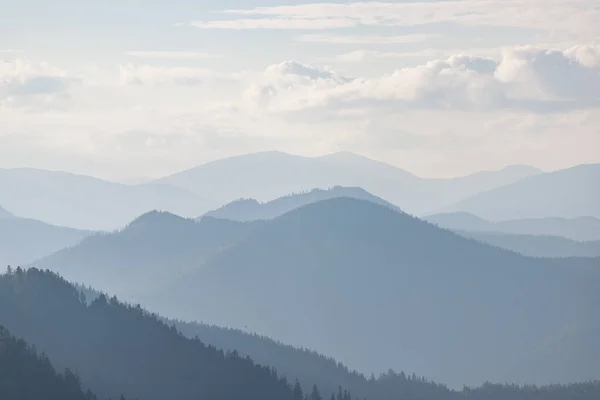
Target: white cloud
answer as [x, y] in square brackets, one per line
[572, 16]
[276, 23]
[529, 78]
[363, 39]
[24, 83]
[362, 55]
[156, 75]
[174, 55]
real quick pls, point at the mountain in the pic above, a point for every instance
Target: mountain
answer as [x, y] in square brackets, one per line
[309, 366]
[537, 245]
[150, 251]
[271, 175]
[569, 193]
[579, 229]
[373, 287]
[5, 214]
[119, 348]
[24, 375]
[123, 349]
[23, 241]
[84, 202]
[251, 210]
[377, 289]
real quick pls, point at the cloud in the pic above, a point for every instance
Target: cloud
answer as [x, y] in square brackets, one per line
[363, 39]
[573, 16]
[529, 78]
[188, 76]
[362, 55]
[174, 55]
[26, 84]
[276, 23]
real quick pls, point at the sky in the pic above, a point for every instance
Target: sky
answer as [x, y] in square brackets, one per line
[128, 89]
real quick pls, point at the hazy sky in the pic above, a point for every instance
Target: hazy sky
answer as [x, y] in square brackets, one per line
[128, 88]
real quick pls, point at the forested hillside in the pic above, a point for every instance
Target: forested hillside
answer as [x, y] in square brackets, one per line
[26, 375]
[119, 349]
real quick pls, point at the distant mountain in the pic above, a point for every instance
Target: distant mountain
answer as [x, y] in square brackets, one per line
[25, 375]
[569, 193]
[251, 210]
[123, 349]
[537, 246]
[376, 289]
[5, 214]
[84, 202]
[23, 241]
[579, 229]
[271, 175]
[151, 250]
[373, 287]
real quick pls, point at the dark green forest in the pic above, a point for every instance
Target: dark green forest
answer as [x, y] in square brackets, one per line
[26, 375]
[117, 348]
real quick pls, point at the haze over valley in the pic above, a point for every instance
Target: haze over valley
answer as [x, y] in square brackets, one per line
[288, 200]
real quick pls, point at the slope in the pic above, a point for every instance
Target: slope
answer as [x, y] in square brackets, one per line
[25, 375]
[84, 202]
[579, 229]
[152, 250]
[5, 214]
[121, 349]
[537, 245]
[23, 241]
[251, 210]
[270, 175]
[569, 193]
[376, 288]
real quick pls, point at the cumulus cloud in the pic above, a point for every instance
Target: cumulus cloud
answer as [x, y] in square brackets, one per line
[528, 78]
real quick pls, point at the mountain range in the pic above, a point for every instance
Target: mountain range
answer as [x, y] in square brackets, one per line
[270, 175]
[23, 241]
[116, 348]
[568, 193]
[364, 283]
[537, 245]
[88, 203]
[579, 229]
[252, 210]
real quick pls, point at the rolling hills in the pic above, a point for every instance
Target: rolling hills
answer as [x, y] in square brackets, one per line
[579, 229]
[569, 193]
[23, 241]
[88, 203]
[537, 245]
[153, 249]
[251, 210]
[373, 287]
[271, 175]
